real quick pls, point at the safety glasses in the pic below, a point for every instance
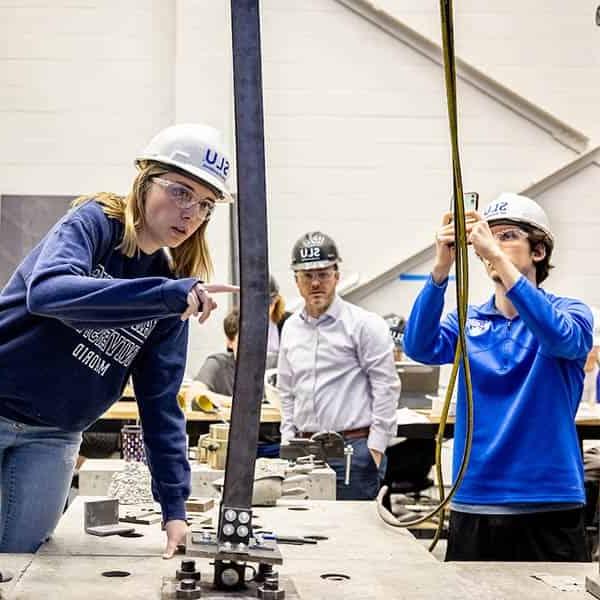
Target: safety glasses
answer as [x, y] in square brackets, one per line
[185, 198]
[322, 276]
[514, 234]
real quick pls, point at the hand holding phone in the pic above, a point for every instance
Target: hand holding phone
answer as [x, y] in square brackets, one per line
[470, 202]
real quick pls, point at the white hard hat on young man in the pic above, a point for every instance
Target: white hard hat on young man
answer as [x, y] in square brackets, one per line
[518, 209]
[193, 149]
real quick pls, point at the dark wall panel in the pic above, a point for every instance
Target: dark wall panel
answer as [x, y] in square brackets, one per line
[24, 220]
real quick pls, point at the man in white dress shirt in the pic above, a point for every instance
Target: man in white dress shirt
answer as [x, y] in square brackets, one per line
[336, 370]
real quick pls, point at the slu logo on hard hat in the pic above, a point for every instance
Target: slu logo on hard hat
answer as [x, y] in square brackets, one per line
[313, 239]
[216, 163]
[496, 209]
[310, 253]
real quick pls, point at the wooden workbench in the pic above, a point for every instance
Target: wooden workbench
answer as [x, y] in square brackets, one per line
[588, 428]
[197, 422]
[127, 410]
[381, 562]
[124, 411]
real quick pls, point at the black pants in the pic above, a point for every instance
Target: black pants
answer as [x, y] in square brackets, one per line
[556, 536]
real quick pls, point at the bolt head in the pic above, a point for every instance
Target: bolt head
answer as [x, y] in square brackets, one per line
[230, 577]
[188, 565]
[187, 584]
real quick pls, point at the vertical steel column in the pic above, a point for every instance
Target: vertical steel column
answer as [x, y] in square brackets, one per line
[253, 253]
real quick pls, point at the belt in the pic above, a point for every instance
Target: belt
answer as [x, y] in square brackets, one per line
[361, 432]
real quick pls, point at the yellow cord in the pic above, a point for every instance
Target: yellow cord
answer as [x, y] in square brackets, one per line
[462, 293]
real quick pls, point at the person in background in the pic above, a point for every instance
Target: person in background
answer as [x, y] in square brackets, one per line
[590, 381]
[336, 370]
[591, 454]
[396, 324]
[217, 372]
[217, 375]
[277, 318]
[522, 495]
[104, 296]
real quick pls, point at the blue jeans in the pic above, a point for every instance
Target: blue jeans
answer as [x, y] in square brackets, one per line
[36, 467]
[365, 477]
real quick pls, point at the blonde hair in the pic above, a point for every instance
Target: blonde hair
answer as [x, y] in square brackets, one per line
[278, 309]
[189, 259]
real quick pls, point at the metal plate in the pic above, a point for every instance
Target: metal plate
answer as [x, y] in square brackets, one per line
[270, 554]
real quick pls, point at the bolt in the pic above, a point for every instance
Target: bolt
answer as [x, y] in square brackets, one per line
[272, 581]
[187, 590]
[230, 577]
[270, 590]
[264, 570]
[188, 571]
[230, 515]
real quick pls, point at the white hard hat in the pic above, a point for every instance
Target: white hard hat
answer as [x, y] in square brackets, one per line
[195, 149]
[518, 209]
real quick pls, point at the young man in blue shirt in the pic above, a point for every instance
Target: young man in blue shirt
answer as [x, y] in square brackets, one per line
[522, 496]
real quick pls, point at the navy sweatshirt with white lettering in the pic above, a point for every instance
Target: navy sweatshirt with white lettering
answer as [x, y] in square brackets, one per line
[77, 318]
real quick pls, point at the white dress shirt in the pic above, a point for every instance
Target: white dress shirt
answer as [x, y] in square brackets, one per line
[336, 373]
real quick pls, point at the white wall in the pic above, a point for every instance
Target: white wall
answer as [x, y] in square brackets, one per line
[358, 142]
[356, 125]
[203, 92]
[572, 207]
[83, 86]
[546, 50]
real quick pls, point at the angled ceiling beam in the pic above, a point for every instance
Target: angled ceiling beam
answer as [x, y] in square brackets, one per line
[561, 131]
[568, 169]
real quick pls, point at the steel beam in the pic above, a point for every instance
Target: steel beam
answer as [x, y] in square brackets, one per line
[253, 261]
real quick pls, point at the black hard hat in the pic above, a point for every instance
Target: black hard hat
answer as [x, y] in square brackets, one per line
[314, 250]
[396, 325]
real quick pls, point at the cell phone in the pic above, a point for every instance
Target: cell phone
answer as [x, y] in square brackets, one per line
[470, 201]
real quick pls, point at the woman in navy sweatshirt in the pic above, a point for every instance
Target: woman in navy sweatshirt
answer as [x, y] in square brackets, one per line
[104, 296]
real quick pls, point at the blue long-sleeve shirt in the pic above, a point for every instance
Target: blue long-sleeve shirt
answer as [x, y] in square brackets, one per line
[527, 377]
[77, 318]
